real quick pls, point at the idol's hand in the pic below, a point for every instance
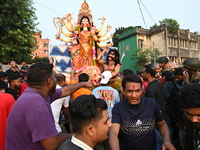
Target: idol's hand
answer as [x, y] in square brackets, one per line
[109, 27]
[103, 20]
[68, 17]
[93, 29]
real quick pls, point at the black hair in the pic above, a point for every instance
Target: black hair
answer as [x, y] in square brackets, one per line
[38, 73]
[83, 77]
[116, 56]
[60, 77]
[139, 72]
[169, 76]
[127, 71]
[178, 71]
[3, 74]
[14, 77]
[131, 78]
[190, 97]
[82, 20]
[3, 85]
[151, 70]
[85, 108]
[14, 61]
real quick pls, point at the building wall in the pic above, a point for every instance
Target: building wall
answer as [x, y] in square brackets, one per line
[158, 41]
[42, 49]
[129, 46]
[180, 46]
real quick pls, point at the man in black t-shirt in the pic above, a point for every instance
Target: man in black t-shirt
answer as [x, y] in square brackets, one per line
[13, 68]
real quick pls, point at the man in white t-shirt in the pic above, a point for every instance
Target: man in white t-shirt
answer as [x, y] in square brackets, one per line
[56, 106]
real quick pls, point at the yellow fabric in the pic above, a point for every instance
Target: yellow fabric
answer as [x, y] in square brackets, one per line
[116, 84]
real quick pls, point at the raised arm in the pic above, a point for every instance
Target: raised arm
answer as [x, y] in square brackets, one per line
[116, 71]
[164, 130]
[113, 137]
[101, 26]
[64, 40]
[105, 38]
[104, 45]
[102, 34]
[69, 24]
[100, 56]
[67, 34]
[69, 89]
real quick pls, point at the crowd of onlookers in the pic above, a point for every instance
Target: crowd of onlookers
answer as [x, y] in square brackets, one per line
[153, 109]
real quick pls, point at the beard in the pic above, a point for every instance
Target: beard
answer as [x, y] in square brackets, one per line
[195, 125]
[52, 90]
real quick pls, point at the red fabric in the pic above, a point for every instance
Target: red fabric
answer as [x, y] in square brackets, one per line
[22, 87]
[145, 84]
[6, 103]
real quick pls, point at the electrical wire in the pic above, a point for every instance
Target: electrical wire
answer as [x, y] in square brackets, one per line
[142, 13]
[47, 8]
[153, 20]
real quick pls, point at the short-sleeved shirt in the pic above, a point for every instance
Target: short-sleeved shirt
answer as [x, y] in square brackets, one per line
[137, 123]
[30, 121]
[56, 108]
[11, 72]
[6, 103]
[109, 94]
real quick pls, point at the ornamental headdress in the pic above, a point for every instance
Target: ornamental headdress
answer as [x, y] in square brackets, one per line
[84, 11]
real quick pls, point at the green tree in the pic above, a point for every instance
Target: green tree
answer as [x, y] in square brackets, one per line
[17, 27]
[40, 59]
[118, 32]
[145, 56]
[172, 24]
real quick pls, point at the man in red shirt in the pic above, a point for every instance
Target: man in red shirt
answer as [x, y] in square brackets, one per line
[6, 104]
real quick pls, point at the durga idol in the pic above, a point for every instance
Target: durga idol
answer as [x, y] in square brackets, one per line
[85, 39]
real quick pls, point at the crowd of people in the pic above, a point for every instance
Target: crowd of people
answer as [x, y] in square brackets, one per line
[151, 110]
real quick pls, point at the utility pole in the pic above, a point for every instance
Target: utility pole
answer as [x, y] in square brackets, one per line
[154, 57]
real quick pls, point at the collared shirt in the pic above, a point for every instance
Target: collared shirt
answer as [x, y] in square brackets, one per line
[80, 143]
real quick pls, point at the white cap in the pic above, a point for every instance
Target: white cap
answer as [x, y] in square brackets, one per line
[106, 75]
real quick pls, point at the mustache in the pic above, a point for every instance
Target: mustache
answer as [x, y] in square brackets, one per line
[111, 57]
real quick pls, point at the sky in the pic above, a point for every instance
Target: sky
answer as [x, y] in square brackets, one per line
[118, 13]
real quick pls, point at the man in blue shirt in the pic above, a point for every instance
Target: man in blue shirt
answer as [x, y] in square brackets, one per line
[134, 120]
[109, 94]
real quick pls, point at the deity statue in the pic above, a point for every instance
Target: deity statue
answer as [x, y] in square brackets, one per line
[84, 38]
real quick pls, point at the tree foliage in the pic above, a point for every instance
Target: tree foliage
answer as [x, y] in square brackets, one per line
[40, 59]
[144, 56]
[172, 24]
[118, 32]
[17, 27]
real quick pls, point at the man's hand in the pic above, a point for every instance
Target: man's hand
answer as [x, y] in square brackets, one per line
[168, 146]
[186, 77]
[88, 85]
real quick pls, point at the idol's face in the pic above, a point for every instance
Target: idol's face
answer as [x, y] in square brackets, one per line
[85, 22]
[111, 55]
